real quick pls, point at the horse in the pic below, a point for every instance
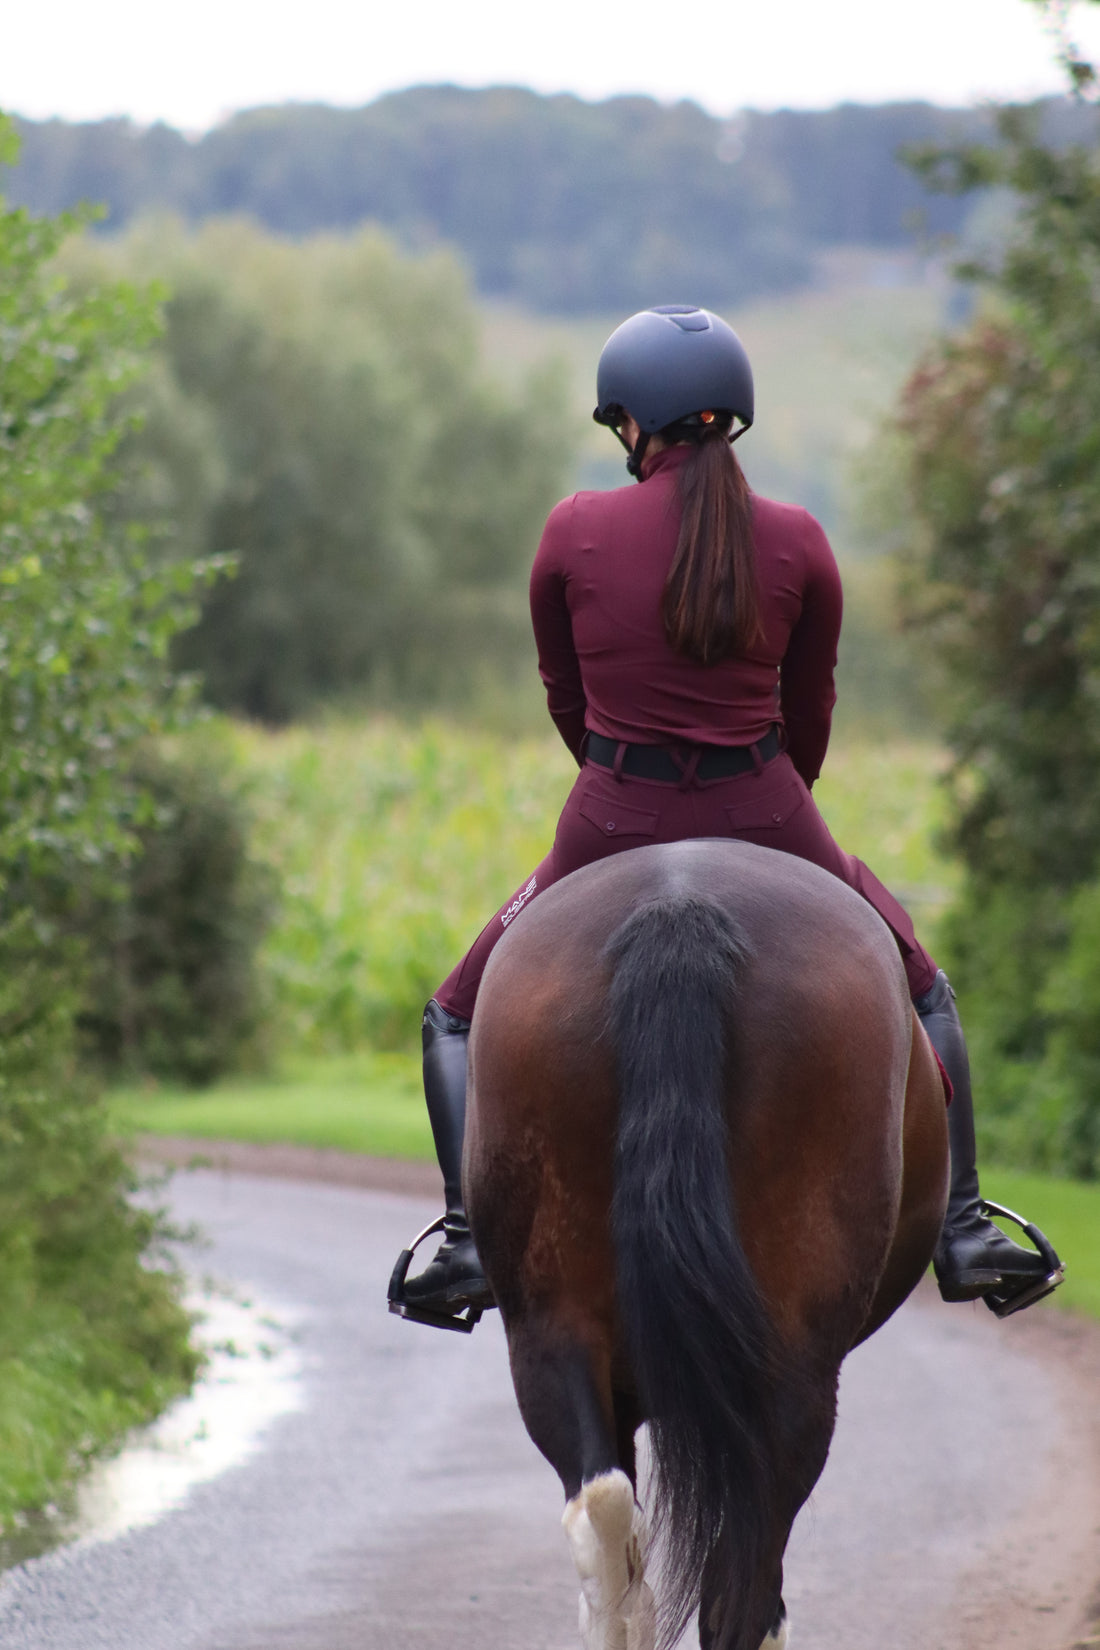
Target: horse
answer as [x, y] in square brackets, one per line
[706, 1156]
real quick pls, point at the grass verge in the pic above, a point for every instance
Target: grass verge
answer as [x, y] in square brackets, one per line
[369, 1103]
[93, 1337]
[68, 1396]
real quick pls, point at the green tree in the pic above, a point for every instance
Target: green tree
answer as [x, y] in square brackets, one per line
[322, 410]
[91, 1339]
[1003, 427]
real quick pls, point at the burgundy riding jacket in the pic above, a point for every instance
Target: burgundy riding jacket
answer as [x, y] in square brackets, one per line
[596, 589]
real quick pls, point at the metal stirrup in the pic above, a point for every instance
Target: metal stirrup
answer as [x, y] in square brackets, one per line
[463, 1323]
[1001, 1302]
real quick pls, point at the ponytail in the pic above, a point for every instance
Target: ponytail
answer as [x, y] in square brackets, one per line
[711, 605]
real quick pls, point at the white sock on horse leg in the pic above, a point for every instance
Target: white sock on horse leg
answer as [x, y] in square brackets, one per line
[607, 1537]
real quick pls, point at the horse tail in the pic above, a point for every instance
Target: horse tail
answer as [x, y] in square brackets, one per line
[703, 1348]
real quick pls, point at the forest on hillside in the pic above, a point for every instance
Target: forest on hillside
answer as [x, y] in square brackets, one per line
[561, 205]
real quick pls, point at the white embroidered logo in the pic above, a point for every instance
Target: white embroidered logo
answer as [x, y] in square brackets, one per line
[518, 903]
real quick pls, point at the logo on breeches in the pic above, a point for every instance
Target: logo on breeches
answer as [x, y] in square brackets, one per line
[518, 903]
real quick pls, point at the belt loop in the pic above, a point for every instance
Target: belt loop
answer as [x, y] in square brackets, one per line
[757, 759]
[617, 765]
[687, 771]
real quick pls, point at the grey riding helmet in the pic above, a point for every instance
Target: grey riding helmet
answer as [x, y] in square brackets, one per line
[665, 364]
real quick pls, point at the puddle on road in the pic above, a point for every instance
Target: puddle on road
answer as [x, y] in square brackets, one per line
[253, 1375]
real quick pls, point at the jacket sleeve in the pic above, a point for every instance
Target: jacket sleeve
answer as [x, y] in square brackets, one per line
[553, 626]
[807, 692]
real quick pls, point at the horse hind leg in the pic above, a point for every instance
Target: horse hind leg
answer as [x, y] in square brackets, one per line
[584, 1430]
[607, 1536]
[714, 1600]
[777, 1638]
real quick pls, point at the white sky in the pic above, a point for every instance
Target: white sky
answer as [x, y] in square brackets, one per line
[190, 62]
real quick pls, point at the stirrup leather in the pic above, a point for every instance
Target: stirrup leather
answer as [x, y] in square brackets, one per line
[462, 1322]
[1003, 1302]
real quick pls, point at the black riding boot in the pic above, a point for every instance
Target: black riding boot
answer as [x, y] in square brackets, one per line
[974, 1258]
[454, 1279]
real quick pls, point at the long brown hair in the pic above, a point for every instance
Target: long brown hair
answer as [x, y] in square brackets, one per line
[711, 605]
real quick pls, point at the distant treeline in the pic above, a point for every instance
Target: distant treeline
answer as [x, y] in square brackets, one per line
[560, 204]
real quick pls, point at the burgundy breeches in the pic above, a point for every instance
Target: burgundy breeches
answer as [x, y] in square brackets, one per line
[604, 815]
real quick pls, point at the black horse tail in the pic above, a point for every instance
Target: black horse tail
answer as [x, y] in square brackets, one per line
[703, 1348]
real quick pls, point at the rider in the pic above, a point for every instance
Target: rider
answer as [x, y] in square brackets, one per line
[687, 633]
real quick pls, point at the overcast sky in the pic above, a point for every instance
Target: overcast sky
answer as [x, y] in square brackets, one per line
[190, 62]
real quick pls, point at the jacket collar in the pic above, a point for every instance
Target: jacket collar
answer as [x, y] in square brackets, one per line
[666, 458]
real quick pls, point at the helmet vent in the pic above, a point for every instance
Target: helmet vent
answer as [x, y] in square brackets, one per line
[685, 316]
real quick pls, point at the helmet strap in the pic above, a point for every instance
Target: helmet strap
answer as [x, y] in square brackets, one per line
[637, 453]
[634, 462]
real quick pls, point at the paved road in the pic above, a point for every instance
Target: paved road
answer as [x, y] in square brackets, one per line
[401, 1506]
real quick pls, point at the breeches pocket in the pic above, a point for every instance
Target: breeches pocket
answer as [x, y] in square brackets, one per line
[615, 816]
[767, 810]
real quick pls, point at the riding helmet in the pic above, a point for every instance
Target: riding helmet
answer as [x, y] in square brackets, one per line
[667, 363]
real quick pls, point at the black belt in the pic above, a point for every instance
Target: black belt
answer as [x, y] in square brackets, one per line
[675, 763]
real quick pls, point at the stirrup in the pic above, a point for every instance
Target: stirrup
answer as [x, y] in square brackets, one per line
[462, 1322]
[1003, 1302]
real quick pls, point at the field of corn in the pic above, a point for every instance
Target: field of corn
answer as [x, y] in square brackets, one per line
[394, 845]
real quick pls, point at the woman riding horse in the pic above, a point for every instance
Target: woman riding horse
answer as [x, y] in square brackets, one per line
[687, 633]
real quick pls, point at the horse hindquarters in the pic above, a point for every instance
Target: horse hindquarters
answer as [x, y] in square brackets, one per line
[925, 1175]
[717, 1059]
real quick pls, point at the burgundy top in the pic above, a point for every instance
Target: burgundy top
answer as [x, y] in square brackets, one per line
[596, 590]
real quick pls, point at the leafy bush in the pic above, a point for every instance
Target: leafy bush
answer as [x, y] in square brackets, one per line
[1003, 426]
[174, 986]
[91, 1339]
[1027, 962]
